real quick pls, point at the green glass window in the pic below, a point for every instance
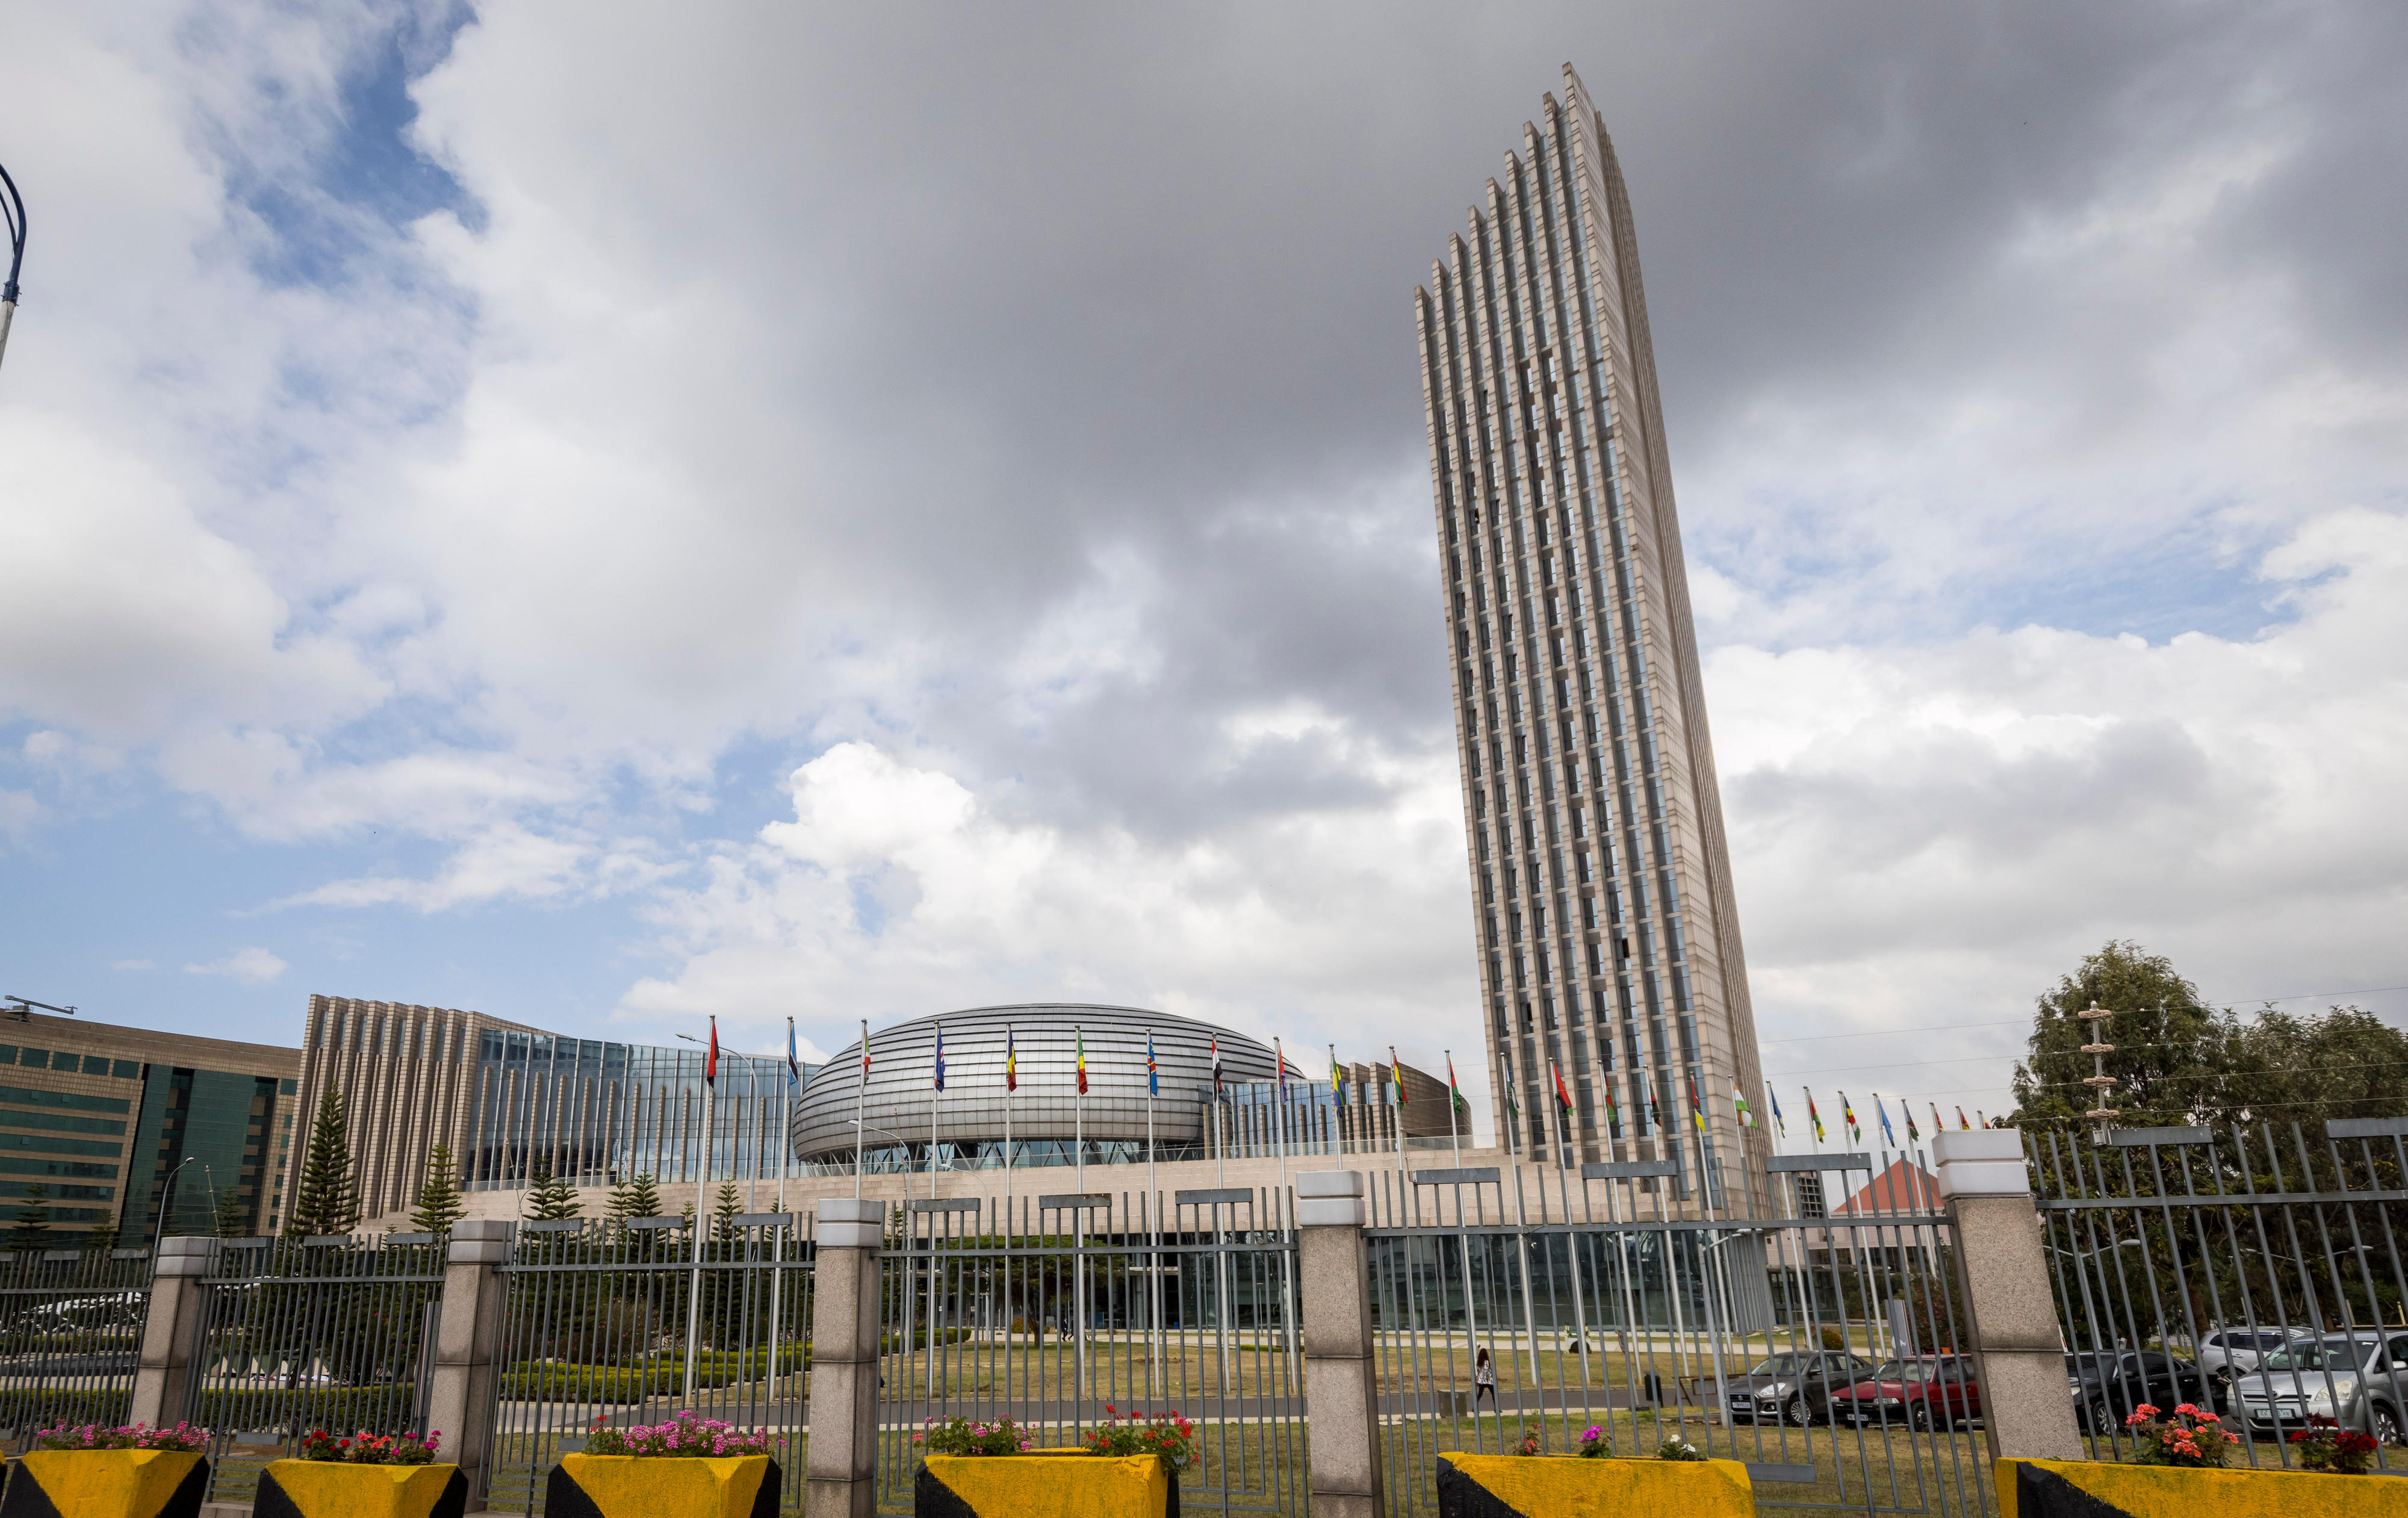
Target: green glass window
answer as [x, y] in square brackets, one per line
[36, 1058]
[7, 1053]
[127, 1069]
[28, 1097]
[288, 1088]
[96, 1064]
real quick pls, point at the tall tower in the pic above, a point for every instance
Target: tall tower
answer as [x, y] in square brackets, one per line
[1601, 899]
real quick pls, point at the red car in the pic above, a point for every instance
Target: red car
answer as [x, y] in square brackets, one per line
[1927, 1391]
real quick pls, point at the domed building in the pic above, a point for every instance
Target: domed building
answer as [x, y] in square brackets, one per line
[1045, 1115]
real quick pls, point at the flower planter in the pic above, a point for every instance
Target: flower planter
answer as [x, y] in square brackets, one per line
[1572, 1486]
[2078, 1489]
[1045, 1483]
[662, 1486]
[335, 1489]
[133, 1483]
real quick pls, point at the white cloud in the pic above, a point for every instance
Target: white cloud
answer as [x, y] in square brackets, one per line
[252, 967]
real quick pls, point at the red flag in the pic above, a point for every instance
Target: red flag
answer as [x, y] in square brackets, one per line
[1562, 1094]
[711, 1061]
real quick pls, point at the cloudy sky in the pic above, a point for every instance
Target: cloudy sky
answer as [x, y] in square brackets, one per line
[854, 510]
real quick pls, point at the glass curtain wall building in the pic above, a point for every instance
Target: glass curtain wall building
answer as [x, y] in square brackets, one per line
[503, 1095]
[1607, 934]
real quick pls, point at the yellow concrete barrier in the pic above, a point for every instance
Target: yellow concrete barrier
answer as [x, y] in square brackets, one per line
[1574, 1486]
[2059, 1489]
[1045, 1483]
[335, 1489]
[108, 1483]
[662, 1486]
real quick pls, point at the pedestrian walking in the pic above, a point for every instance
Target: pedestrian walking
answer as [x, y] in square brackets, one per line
[1483, 1379]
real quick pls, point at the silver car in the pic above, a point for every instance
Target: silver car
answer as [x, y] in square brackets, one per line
[2356, 1379]
[1794, 1388]
[2237, 1351]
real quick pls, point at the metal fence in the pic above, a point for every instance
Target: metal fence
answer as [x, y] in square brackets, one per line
[613, 1324]
[2254, 1269]
[1538, 1303]
[293, 1334]
[1058, 1310]
[71, 1335]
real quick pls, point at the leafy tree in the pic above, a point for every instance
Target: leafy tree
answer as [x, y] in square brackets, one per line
[2168, 1046]
[328, 1202]
[32, 1230]
[438, 1196]
[548, 1198]
[231, 1219]
[2179, 1062]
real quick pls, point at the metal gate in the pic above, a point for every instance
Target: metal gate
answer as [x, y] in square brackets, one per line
[609, 1324]
[294, 1334]
[1057, 1310]
[71, 1335]
[2255, 1269]
[1531, 1304]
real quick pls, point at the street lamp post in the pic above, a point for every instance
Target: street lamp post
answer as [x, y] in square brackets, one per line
[159, 1229]
[12, 211]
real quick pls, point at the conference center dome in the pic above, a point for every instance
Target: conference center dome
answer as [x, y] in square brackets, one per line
[1046, 1113]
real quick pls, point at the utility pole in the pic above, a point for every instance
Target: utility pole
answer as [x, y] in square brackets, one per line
[2101, 1084]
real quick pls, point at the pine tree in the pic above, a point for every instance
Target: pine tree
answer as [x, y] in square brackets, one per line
[232, 1219]
[635, 1197]
[328, 1203]
[101, 1236]
[730, 1204]
[548, 1198]
[438, 1196]
[32, 1230]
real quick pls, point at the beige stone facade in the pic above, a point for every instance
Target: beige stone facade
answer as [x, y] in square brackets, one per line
[1603, 918]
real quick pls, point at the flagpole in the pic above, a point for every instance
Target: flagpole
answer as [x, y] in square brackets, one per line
[701, 1192]
[1079, 1210]
[778, 1237]
[936, 1098]
[861, 1111]
[1152, 1216]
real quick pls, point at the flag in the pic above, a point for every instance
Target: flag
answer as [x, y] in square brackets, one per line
[1216, 1064]
[1960, 1119]
[1889, 1135]
[1779, 1125]
[1938, 1126]
[1279, 1059]
[1654, 1118]
[1152, 1075]
[794, 1066]
[1848, 1117]
[1612, 1112]
[711, 1061]
[1913, 1137]
[1697, 1107]
[1813, 1116]
[865, 1054]
[1081, 1035]
[1398, 1067]
[940, 1056]
[1979, 1121]
[1513, 1105]
[1454, 1092]
[1563, 1092]
[1738, 1104]
[1337, 1077]
[1010, 1062]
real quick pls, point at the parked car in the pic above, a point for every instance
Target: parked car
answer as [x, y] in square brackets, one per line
[1794, 1389]
[1924, 1391]
[2235, 1351]
[2359, 1380]
[2106, 1386]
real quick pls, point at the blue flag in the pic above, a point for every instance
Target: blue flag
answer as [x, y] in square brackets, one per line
[1779, 1127]
[1888, 1137]
[940, 1059]
[1153, 1076]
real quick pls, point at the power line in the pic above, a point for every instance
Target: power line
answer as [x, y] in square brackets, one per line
[2018, 1021]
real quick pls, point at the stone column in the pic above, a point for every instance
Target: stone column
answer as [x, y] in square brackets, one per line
[1341, 1385]
[2003, 1279]
[467, 1342]
[163, 1371]
[841, 1461]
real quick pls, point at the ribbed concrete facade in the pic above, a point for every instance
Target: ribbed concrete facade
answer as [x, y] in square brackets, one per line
[1607, 934]
[408, 1076]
